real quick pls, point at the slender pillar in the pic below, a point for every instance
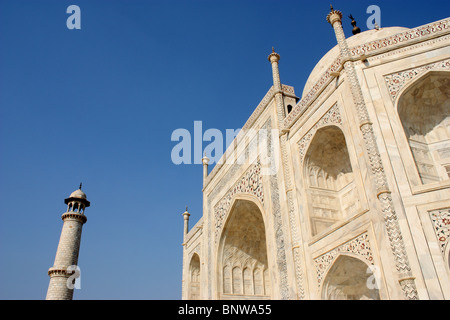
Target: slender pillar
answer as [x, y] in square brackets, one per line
[405, 278]
[205, 161]
[185, 267]
[62, 274]
[186, 222]
[274, 58]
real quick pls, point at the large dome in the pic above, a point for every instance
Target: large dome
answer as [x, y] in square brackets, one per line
[356, 40]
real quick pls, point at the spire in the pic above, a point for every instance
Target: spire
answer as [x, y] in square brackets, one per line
[356, 29]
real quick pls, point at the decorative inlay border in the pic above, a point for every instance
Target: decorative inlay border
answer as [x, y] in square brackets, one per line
[441, 223]
[359, 246]
[396, 81]
[400, 38]
[332, 116]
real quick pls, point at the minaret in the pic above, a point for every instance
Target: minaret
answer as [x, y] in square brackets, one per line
[386, 205]
[66, 260]
[274, 58]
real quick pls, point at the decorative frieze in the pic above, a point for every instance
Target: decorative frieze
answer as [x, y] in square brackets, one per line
[409, 36]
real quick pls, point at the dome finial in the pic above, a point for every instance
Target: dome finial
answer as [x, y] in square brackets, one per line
[81, 183]
[356, 29]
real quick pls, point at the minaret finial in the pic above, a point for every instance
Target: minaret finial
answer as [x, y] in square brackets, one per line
[334, 15]
[274, 55]
[186, 208]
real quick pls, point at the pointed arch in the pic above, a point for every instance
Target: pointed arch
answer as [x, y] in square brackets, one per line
[242, 252]
[350, 278]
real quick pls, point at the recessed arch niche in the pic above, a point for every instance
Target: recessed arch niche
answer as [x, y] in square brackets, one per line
[243, 271]
[424, 111]
[329, 179]
[194, 278]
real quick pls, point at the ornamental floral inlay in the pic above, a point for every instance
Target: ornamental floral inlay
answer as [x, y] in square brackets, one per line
[441, 223]
[359, 246]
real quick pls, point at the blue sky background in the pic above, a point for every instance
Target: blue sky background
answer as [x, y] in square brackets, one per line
[99, 105]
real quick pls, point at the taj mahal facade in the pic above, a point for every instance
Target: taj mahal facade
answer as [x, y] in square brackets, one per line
[358, 206]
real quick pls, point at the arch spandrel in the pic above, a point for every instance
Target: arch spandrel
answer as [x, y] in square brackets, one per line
[350, 278]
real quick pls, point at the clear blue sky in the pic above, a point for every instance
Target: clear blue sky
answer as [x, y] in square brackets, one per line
[99, 105]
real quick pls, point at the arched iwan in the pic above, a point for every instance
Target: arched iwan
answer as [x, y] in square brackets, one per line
[242, 271]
